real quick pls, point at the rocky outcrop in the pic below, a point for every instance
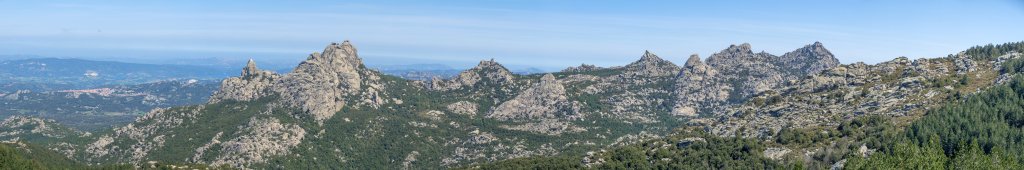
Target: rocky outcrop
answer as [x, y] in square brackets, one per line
[776, 153]
[545, 100]
[21, 126]
[627, 91]
[998, 66]
[651, 65]
[15, 95]
[251, 84]
[964, 64]
[327, 81]
[258, 141]
[486, 73]
[810, 59]
[582, 68]
[734, 75]
[547, 127]
[320, 86]
[463, 107]
[697, 84]
[142, 138]
[895, 88]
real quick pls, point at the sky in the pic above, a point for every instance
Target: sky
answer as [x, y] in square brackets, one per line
[543, 34]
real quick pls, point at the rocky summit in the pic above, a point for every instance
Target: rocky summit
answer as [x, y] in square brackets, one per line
[488, 72]
[733, 75]
[320, 86]
[652, 65]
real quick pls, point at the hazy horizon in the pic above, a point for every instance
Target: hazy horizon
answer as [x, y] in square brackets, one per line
[541, 34]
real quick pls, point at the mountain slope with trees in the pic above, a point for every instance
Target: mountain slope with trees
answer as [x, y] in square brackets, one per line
[801, 109]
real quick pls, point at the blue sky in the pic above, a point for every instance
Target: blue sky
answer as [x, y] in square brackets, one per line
[545, 34]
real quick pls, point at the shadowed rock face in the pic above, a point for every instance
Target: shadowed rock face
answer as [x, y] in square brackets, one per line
[737, 73]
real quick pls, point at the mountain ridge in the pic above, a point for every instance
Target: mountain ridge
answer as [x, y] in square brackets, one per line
[488, 114]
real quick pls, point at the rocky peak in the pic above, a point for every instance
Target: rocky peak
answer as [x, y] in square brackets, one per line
[339, 61]
[547, 78]
[489, 65]
[250, 69]
[492, 70]
[321, 85]
[742, 48]
[582, 68]
[251, 84]
[735, 74]
[695, 69]
[731, 55]
[809, 59]
[342, 52]
[652, 65]
[693, 61]
[488, 70]
[649, 56]
[328, 81]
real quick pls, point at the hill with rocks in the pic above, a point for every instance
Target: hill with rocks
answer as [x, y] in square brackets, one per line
[331, 111]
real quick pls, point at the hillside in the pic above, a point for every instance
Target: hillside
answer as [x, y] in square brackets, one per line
[957, 112]
[764, 110]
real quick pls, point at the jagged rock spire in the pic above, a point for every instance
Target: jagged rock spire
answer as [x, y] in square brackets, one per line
[252, 84]
[648, 55]
[250, 68]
